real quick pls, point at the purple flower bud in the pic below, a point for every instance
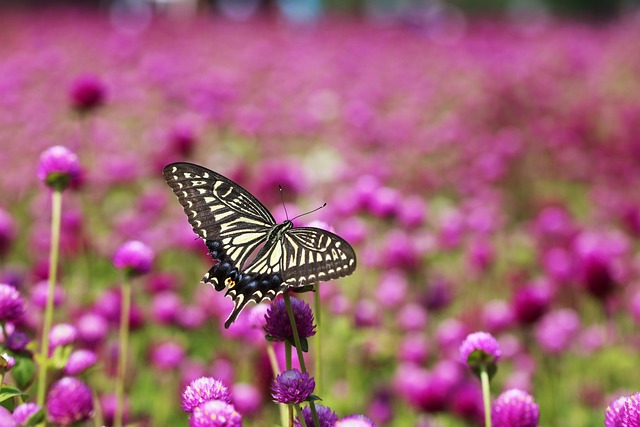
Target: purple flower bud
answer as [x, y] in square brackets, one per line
[292, 387]
[24, 412]
[7, 231]
[166, 307]
[326, 416]
[529, 303]
[557, 330]
[11, 304]
[17, 341]
[215, 413]
[615, 413]
[69, 401]
[167, 355]
[92, 328]
[515, 408]
[247, 399]
[87, 93]
[483, 342]
[58, 167]
[61, 335]
[6, 420]
[202, 390]
[6, 362]
[79, 361]
[355, 421]
[108, 404]
[40, 291]
[134, 256]
[278, 326]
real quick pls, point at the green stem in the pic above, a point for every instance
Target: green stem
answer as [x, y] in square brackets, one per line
[296, 340]
[276, 371]
[123, 349]
[316, 301]
[300, 417]
[486, 396]
[1, 379]
[3, 327]
[288, 365]
[56, 212]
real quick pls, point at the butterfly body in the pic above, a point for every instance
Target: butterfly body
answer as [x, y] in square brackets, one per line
[236, 227]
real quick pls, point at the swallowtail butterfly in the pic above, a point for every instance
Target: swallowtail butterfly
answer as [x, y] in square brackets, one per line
[235, 225]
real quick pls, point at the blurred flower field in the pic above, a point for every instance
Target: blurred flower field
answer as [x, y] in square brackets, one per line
[486, 177]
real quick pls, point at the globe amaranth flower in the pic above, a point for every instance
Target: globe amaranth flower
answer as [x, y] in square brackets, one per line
[292, 387]
[167, 355]
[11, 304]
[215, 413]
[202, 390]
[6, 420]
[480, 351]
[79, 361]
[69, 401]
[28, 414]
[62, 334]
[7, 232]
[355, 421]
[623, 412]
[278, 326]
[515, 408]
[134, 256]
[17, 341]
[326, 416]
[6, 362]
[58, 167]
[87, 93]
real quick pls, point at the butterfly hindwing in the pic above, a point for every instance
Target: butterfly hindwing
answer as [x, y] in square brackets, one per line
[312, 255]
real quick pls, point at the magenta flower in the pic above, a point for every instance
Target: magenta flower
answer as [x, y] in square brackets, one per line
[87, 93]
[355, 421]
[6, 420]
[6, 362]
[215, 413]
[292, 387]
[480, 351]
[247, 398]
[69, 401]
[515, 408]
[27, 414]
[278, 326]
[11, 304]
[480, 341]
[7, 231]
[17, 341]
[58, 167]
[167, 355]
[202, 390]
[623, 412]
[62, 334]
[326, 416]
[135, 257]
[79, 361]
[92, 328]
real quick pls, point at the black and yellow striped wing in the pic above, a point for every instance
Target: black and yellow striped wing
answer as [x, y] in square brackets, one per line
[234, 225]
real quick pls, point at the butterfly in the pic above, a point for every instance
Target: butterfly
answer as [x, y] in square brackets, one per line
[255, 257]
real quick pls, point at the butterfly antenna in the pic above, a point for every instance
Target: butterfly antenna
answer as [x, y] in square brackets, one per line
[312, 211]
[286, 214]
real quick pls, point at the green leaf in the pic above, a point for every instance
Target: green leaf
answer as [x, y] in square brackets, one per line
[24, 371]
[60, 356]
[313, 398]
[9, 392]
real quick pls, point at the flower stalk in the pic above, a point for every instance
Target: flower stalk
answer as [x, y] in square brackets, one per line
[56, 212]
[123, 349]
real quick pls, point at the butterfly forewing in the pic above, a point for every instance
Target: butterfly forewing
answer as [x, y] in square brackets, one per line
[219, 210]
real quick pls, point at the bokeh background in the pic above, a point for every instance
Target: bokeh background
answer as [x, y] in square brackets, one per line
[483, 158]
